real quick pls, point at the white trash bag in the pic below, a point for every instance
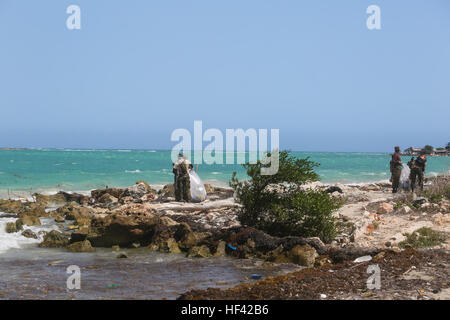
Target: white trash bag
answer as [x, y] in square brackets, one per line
[404, 178]
[198, 191]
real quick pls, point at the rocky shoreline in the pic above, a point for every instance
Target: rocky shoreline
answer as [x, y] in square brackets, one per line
[371, 222]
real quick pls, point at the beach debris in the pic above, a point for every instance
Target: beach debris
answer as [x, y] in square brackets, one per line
[231, 247]
[256, 276]
[323, 296]
[333, 189]
[136, 245]
[122, 256]
[112, 286]
[363, 259]
[419, 201]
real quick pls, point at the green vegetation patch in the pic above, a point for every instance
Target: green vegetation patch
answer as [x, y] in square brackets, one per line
[278, 205]
[423, 238]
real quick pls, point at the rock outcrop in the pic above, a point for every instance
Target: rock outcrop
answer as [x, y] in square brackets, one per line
[54, 239]
[80, 246]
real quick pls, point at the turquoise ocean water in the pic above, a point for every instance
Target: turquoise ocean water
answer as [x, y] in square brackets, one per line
[81, 170]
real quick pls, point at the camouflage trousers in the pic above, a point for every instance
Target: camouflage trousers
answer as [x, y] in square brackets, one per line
[183, 188]
[396, 173]
[416, 173]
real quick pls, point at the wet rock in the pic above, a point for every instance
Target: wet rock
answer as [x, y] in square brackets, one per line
[199, 252]
[54, 239]
[79, 235]
[72, 210]
[49, 200]
[30, 220]
[11, 227]
[169, 246]
[19, 224]
[80, 246]
[122, 230]
[115, 248]
[83, 221]
[37, 211]
[60, 198]
[13, 206]
[220, 250]
[303, 255]
[59, 219]
[182, 230]
[192, 239]
[122, 256]
[29, 234]
[107, 198]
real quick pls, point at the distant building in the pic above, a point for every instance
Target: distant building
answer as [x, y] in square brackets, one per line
[411, 151]
[442, 152]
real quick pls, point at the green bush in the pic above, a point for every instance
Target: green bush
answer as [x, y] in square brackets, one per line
[278, 205]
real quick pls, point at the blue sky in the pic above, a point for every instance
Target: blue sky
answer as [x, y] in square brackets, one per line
[137, 70]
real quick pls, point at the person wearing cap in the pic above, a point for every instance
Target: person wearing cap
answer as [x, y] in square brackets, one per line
[417, 171]
[396, 169]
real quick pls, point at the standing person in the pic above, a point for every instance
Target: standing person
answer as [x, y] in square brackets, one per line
[417, 171]
[182, 181]
[396, 169]
[411, 163]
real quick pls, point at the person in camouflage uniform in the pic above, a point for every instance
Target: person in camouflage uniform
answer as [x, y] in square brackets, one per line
[411, 163]
[417, 171]
[182, 181]
[396, 169]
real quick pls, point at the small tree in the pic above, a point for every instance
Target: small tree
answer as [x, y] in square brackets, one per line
[428, 149]
[448, 146]
[280, 205]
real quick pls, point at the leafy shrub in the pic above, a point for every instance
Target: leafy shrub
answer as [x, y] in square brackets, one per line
[278, 205]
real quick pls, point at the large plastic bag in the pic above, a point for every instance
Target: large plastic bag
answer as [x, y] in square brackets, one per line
[404, 178]
[198, 191]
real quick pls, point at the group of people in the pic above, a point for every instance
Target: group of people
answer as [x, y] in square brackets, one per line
[417, 170]
[182, 180]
